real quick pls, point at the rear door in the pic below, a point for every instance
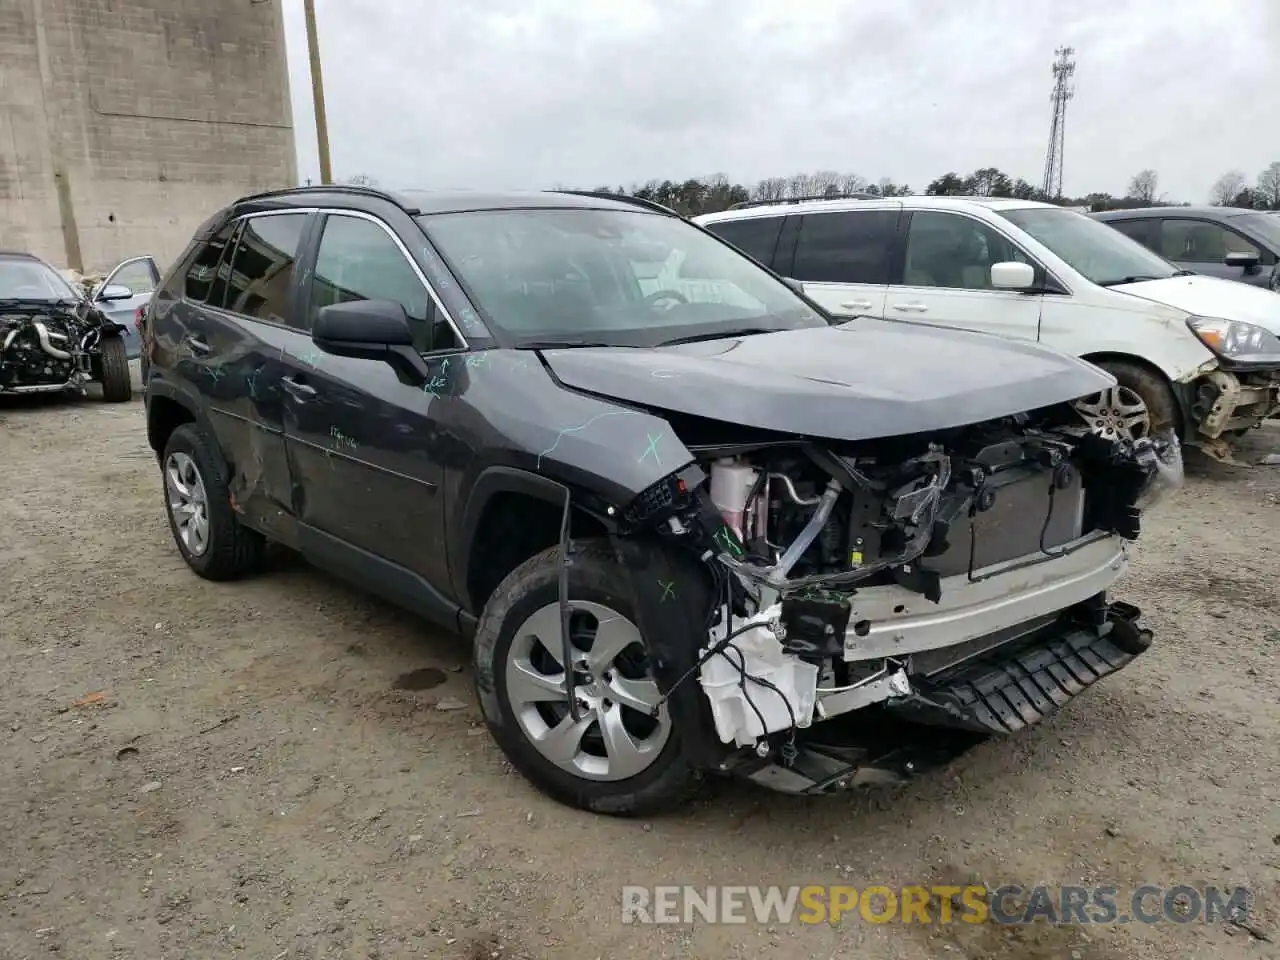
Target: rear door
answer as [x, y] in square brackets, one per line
[844, 258]
[946, 277]
[1203, 246]
[365, 453]
[236, 337]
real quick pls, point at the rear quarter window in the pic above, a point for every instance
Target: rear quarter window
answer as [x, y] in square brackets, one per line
[199, 278]
[756, 237]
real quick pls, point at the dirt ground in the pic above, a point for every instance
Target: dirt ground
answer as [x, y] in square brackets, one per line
[199, 770]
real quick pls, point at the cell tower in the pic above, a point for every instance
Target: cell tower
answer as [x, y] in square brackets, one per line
[1064, 68]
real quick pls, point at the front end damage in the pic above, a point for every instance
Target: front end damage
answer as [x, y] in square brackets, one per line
[1223, 403]
[48, 346]
[851, 612]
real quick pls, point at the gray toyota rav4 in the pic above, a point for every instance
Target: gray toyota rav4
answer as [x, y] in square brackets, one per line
[689, 522]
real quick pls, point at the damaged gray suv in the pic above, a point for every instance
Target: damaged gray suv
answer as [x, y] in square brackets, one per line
[691, 522]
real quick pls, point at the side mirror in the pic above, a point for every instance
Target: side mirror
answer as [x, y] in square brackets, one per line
[795, 285]
[1012, 275]
[370, 330]
[114, 291]
[1245, 261]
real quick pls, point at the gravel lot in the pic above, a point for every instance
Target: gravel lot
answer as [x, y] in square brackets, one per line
[199, 770]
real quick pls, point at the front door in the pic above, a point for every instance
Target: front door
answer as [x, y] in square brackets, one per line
[946, 278]
[364, 451]
[1203, 246]
[844, 258]
[141, 276]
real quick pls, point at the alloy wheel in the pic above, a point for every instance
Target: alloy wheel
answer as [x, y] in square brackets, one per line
[622, 729]
[188, 502]
[1117, 413]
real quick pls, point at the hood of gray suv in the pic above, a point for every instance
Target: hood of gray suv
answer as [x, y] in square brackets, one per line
[856, 381]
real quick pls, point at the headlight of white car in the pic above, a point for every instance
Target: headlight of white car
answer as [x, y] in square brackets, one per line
[1233, 340]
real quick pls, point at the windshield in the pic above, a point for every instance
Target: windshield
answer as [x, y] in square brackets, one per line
[1099, 252]
[611, 277]
[1264, 226]
[23, 279]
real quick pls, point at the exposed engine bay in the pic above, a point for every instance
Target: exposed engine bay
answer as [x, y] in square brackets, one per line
[924, 573]
[47, 345]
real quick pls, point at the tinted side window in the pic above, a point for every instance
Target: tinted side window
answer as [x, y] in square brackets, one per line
[1199, 241]
[358, 260]
[757, 237]
[1139, 230]
[204, 269]
[261, 276]
[947, 250]
[845, 247]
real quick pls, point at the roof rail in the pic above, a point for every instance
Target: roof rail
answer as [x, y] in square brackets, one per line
[622, 198]
[352, 188]
[822, 196]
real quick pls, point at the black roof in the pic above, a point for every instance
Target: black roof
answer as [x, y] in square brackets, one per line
[424, 202]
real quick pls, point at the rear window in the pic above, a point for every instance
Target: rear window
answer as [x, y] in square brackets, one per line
[850, 247]
[756, 237]
[203, 272]
[260, 280]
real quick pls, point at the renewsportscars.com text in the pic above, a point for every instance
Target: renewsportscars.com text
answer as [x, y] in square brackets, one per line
[933, 904]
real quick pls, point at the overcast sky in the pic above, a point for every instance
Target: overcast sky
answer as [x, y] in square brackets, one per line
[535, 93]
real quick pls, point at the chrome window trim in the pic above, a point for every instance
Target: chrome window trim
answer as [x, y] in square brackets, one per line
[386, 228]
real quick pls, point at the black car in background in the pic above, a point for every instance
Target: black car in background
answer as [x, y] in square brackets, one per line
[1228, 242]
[53, 338]
[686, 517]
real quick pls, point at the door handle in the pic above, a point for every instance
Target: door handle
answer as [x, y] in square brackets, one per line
[302, 392]
[911, 308]
[196, 346]
[856, 305]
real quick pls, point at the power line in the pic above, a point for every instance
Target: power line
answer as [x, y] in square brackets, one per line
[1064, 68]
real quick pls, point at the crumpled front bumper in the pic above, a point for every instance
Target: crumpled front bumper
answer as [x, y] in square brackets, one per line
[892, 621]
[1014, 688]
[1224, 401]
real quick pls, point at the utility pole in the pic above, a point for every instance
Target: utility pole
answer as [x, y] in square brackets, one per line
[317, 91]
[1064, 68]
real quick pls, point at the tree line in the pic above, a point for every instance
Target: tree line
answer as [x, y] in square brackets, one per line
[717, 192]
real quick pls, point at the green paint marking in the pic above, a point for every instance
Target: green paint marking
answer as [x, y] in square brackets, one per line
[652, 448]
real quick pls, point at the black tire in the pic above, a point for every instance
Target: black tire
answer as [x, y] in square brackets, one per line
[117, 386]
[595, 576]
[1154, 391]
[233, 549]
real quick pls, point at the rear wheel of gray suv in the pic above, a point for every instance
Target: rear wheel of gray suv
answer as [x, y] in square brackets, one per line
[207, 531]
[618, 758]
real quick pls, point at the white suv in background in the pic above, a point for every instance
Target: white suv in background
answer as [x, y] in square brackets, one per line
[1200, 355]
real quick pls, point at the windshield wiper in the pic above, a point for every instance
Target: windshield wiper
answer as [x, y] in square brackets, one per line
[39, 301]
[555, 343]
[1185, 273]
[717, 335]
[1135, 278]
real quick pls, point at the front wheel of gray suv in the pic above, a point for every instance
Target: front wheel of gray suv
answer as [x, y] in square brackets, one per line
[619, 758]
[207, 531]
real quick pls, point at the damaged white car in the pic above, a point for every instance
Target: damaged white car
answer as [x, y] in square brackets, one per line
[1196, 354]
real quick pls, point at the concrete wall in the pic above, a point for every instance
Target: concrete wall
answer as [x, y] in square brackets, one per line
[125, 123]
